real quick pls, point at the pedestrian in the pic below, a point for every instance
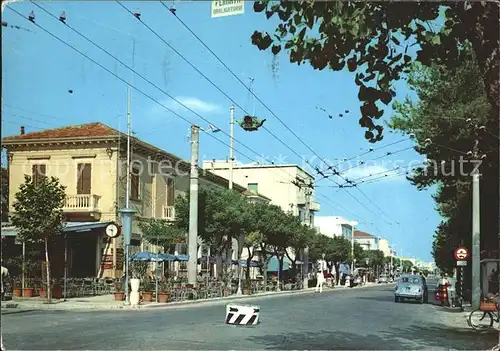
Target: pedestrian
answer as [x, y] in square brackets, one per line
[320, 279]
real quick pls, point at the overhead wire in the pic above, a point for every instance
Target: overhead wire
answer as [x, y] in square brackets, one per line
[255, 96]
[127, 83]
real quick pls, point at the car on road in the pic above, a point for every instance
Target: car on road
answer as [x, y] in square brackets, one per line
[410, 287]
[383, 279]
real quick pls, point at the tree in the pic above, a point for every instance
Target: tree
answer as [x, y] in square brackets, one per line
[446, 99]
[163, 233]
[373, 38]
[222, 215]
[5, 195]
[38, 214]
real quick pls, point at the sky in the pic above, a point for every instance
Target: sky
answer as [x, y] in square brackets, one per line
[38, 71]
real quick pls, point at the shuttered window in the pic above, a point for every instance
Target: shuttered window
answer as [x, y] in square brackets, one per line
[84, 178]
[38, 172]
[170, 191]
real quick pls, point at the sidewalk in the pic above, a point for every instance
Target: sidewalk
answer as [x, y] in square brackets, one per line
[107, 302]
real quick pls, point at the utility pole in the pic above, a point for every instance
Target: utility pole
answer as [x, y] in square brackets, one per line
[305, 256]
[192, 265]
[353, 224]
[231, 146]
[126, 237]
[476, 234]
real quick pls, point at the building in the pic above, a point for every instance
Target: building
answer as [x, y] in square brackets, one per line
[366, 241]
[280, 183]
[383, 245]
[332, 226]
[90, 160]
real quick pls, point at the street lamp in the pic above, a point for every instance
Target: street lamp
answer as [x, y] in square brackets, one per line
[353, 225]
[127, 214]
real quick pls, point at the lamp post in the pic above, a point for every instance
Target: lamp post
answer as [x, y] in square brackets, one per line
[353, 225]
[127, 214]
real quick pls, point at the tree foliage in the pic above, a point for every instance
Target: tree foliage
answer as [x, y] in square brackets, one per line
[447, 98]
[375, 40]
[163, 233]
[38, 214]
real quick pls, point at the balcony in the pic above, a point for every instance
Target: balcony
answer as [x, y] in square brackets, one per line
[81, 203]
[314, 206]
[169, 213]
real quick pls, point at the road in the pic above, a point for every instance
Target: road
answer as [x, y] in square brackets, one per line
[364, 318]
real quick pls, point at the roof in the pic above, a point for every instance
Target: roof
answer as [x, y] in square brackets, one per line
[98, 130]
[95, 129]
[254, 166]
[360, 234]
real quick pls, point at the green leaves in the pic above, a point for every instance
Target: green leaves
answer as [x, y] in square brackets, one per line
[163, 233]
[38, 211]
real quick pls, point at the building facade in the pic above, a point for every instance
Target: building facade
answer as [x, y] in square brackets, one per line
[366, 241]
[332, 226]
[90, 160]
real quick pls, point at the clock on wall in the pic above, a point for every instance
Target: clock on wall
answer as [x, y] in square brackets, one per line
[112, 230]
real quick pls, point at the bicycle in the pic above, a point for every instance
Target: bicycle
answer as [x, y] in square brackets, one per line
[482, 319]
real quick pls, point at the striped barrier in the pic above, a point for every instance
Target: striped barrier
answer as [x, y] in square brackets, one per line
[242, 314]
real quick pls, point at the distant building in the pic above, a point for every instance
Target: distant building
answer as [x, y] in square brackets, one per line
[383, 245]
[366, 240]
[332, 226]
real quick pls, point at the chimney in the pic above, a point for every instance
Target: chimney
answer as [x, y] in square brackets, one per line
[22, 130]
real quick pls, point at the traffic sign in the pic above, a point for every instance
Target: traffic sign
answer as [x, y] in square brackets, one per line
[461, 263]
[223, 8]
[461, 253]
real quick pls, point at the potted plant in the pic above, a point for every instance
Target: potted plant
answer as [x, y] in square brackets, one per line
[147, 294]
[17, 290]
[163, 291]
[28, 288]
[246, 287]
[119, 294]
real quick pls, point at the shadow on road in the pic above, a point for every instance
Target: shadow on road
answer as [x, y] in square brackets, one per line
[330, 340]
[456, 338]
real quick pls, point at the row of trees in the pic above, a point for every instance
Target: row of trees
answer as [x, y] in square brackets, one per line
[224, 215]
[452, 113]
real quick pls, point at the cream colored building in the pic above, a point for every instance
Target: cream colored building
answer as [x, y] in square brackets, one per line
[383, 245]
[90, 160]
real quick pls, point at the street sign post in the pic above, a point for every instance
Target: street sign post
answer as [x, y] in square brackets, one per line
[461, 255]
[222, 8]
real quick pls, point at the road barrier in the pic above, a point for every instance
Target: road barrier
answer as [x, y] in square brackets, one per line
[242, 314]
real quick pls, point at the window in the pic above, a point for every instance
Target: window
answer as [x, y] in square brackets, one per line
[38, 171]
[135, 184]
[170, 192]
[253, 187]
[84, 181]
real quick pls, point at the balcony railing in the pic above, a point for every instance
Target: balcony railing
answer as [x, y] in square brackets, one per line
[169, 212]
[81, 203]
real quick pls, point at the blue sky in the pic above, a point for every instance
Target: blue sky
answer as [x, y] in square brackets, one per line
[38, 71]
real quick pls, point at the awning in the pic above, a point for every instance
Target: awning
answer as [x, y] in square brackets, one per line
[69, 227]
[273, 264]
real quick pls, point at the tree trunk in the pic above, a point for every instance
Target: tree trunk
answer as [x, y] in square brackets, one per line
[251, 253]
[47, 265]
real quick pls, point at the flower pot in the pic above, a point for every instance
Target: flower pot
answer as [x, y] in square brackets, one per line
[18, 292]
[134, 284]
[119, 296]
[225, 292]
[57, 292]
[42, 293]
[147, 296]
[162, 297]
[246, 291]
[28, 292]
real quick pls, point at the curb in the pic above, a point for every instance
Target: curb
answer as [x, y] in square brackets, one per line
[62, 306]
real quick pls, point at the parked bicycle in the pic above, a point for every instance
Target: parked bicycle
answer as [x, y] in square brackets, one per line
[483, 318]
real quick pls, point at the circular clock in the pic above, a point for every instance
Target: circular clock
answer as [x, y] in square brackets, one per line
[112, 230]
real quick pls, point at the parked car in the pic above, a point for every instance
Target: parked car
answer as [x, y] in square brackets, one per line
[411, 287]
[383, 279]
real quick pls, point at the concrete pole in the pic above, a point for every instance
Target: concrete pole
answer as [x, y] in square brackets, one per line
[231, 146]
[192, 264]
[352, 249]
[126, 242]
[305, 256]
[476, 230]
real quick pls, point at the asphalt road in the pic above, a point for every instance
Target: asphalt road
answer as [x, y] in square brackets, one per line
[351, 319]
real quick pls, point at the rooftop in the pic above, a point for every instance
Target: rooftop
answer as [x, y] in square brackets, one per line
[360, 234]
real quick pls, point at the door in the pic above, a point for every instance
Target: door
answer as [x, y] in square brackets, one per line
[84, 178]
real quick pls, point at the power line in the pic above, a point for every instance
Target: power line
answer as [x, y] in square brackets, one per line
[225, 94]
[262, 103]
[124, 81]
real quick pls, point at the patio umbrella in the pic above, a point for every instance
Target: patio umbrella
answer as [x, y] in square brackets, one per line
[243, 263]
[146, 256]
[181, 258]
